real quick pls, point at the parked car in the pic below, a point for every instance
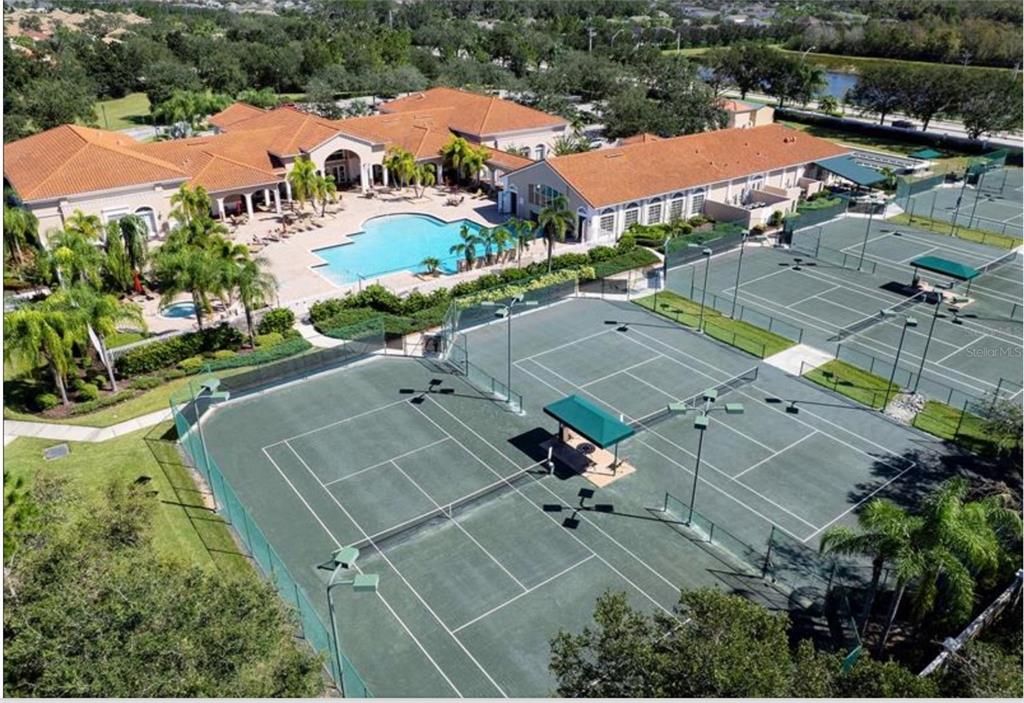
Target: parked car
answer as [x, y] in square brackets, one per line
[903, 124]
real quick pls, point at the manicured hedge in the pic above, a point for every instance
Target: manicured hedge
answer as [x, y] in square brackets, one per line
[266, 355]
[276, 320]
[624, 262]
[159, 355]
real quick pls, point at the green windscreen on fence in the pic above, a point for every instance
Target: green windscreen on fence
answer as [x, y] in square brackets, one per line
[187, 408]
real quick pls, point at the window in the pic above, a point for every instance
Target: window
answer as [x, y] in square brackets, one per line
[697, 203]
[608, 222]
[542, 195]
[675, 208]
[149, 217]
[654, 213]
[538, 152]
[632, 215]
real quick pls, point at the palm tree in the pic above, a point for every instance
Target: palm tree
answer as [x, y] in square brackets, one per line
[467, 247]
[455, 153]
[116, 266]
[255, 286]
[473, 162]
[190, 204]
[326, 191]
[401, 163]
[486, 238]
[885, 531]
[102, 313]
[555, 222]
[422, 178]
[135, 235]
[89, 226]
[189, 269]
[431, 264]
[21, 231]
[304, 180]
[76, 257]
[524, 233]
[34, 337]
[502, 238]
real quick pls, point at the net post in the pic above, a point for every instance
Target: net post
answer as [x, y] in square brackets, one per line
[768, 553]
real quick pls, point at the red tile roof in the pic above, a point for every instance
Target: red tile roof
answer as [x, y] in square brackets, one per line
[233, 114]
[476, 114]
[642, 138]
[635, 171]
[505, 160]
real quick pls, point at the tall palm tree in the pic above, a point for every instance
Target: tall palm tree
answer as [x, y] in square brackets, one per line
[422, 178]
[326, 192]
[254, 285]
[486, 239]
[135, 235]
[474, 162]
[524, 232]
[89, 226]
[456, 153]
[304, 180]
[555, 222]
[190, 204]
[502, 239]
[885, 532]
[116, 266]
[76, 257]
[102, 313]
[467, 247]
[401, 163]
[189, 269]
[34, 337]
[21, 232]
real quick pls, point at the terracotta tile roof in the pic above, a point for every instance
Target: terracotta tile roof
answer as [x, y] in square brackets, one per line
[609, 176]
[233, 114]
[738, 106]
[422, 132]
[476, 114]
[293, 130]
[219, 163]
[72, 159]
[642, 138]
[506, 161]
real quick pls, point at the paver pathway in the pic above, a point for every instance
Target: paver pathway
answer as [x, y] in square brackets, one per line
[80, 433]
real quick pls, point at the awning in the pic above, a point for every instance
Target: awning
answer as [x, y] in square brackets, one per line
[848, 168]
[590, 421]
[953, 269]
[926, 154]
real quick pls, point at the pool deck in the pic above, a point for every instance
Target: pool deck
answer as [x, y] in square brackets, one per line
[292, 260]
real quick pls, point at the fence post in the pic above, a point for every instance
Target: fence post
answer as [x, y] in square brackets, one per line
[960, 421]
[768, 554]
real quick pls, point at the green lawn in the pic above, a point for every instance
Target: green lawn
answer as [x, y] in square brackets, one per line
[130, 111]
[855, 383]
[972, 235]
[943, 420]
[842, 63]
[185, 528]
[742, 335]
[818, 204]
[120, 339]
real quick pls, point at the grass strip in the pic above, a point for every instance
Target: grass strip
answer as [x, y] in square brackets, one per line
[185, 529]
[854, 382]
[953, 424]
[737, 333]
[942, 227]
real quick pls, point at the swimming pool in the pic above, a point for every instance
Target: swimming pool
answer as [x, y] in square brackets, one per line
[391, 243]
[183, 309]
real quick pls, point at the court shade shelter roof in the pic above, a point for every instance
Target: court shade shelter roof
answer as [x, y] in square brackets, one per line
[846, 167]
[953, 269]
[590, 421]
[926, 154]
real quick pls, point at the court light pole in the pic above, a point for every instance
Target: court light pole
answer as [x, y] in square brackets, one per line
[977, 197]
[927, 342]
[706, 253]
[344, 559]
[700, 423]
[739, 268]
[505, 311]
[909, 322]
[867, 232]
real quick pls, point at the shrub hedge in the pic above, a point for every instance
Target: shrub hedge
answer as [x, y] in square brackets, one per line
[276, 320]
[159, 355]
[265, 355]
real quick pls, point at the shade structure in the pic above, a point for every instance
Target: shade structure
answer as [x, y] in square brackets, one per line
[589, 421]
[848, 168]
[946, 267]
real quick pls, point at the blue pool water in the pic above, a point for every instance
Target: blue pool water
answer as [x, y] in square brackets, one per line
[179, 310]
[391, 243]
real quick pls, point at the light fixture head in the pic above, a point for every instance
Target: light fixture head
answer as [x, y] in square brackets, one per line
[365, 583]
[911, 322]
[700, 422]
[345, 557]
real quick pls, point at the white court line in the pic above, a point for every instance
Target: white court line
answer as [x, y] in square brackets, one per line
[336, 422]
[725, 425]
[356, 567]
[548, 516]
[677, 446]
[658, 355]
[460, 526]
[399, 574]
[569, 344]
[856, 505]
[926, 252]
[961, 348]
[531, 589]
[769, 458]
[382, 463]
[816, 296]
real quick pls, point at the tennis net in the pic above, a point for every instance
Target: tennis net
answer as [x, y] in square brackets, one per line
[413, 527]
[878, 317]
[997, 263]
[655, 418]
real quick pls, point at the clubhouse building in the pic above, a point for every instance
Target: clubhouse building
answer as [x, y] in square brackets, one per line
[743, 174]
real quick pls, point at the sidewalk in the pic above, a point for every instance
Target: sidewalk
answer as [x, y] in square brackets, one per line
[80, 433]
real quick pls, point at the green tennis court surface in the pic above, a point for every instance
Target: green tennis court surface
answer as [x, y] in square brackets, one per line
[992, 205]
[816, 287]
[483, 555]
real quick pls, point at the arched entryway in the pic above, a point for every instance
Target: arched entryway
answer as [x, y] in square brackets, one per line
[343, 166]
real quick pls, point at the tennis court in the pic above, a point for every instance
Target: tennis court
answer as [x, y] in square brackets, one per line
[816, 286]
[992, 205]
[482, 554]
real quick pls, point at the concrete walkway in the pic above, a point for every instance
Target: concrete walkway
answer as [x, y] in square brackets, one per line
[81, 433]
[799, 359]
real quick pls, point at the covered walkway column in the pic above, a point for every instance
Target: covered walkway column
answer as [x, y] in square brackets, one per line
[288, 190]
[363, 178]
[384, 178]
[277, 201]
[220, 208]
[248, 203]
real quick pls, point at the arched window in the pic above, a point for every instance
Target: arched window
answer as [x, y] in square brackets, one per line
[697, 203]
[654, 211]
[675, 207]
[608, 222]
[149, 217]
[632, 215]
[538, 152]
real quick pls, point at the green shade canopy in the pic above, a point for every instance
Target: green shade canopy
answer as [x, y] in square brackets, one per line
[953, 269]
[926, 154]
[590, 421]
[846, 167]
